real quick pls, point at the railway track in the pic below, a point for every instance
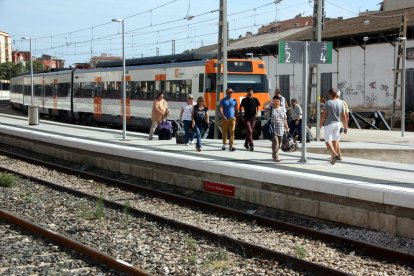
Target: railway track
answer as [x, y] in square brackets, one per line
[51, 253]
[253, 250]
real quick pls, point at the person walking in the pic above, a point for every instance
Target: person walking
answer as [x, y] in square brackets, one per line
[228, 111]
[283, 102]
[185, 117]
[277, 116]
[344, 127]
[159, 113]
[200, 120]
[250, 105]
[331, 120]
[296, 119]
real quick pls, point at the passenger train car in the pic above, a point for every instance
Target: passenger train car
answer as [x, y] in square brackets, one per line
[94, 96]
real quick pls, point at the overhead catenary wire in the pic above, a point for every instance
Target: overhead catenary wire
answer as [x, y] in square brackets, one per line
[134, 33]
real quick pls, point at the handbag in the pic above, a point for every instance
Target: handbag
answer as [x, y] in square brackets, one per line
[267, 131]
[288, 143]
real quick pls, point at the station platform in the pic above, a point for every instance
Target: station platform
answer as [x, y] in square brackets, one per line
[370, 192]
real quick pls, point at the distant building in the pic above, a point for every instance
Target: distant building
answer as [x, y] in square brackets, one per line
[20, 56]
[297, 22]
[51, 62]
[5, 47]
[103, 57]
[392, 5]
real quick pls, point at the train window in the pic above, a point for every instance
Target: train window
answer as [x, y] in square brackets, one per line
[148, 89]
[63, 89]
[201, 83]
[48, 90]
[239, 66]
[211, 83]
[4, 86]
[112, 90]
[242, 82]
[83, 89]
[38, 89]
[177, 90]
[27, 90]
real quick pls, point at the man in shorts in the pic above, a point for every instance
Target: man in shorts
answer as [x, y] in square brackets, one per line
[344, 127]
[331, 119]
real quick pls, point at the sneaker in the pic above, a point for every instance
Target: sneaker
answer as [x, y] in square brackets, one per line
[232, 149]
[191, 142]
[223, 147]
[198, 149]
[251, 147]
[186, 144]
[246, 146]
[150, 138]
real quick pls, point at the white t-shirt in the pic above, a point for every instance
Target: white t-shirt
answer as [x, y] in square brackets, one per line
[188, 108]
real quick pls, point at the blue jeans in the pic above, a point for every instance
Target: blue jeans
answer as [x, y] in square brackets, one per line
[197, 130]
[189, 136]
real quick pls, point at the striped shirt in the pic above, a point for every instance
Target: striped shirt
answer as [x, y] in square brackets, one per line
[277, 116]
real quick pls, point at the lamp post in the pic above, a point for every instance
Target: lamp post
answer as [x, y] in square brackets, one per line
[33, 114]
[123, 79]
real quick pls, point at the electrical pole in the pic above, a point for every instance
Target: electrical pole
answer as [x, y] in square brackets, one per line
[317, 36]
[221, 83]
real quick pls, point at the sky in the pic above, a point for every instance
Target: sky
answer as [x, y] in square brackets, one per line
[76, 30]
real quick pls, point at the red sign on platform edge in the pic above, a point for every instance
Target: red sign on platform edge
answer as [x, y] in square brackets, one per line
[219, 188]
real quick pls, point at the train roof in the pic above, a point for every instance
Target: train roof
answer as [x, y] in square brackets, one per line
[176, 58]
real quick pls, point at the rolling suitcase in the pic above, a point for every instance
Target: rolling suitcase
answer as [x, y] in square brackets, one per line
[180, 133]
[165, 131]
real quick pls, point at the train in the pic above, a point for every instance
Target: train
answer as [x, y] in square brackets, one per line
[93, 96]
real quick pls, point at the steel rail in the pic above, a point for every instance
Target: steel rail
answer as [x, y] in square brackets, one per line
[359, 247]
[81, 248]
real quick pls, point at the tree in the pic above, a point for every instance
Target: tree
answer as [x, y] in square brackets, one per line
[9, 70]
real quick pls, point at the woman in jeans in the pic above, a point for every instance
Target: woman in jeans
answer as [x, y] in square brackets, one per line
[277, 115]
[200, 120]
[185, 117]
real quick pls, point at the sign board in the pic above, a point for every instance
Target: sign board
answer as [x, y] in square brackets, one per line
[292, 52]
[219, 188]
[320, 52]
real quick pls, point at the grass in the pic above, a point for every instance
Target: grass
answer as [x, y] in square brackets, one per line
[218, 259]
[191, 243]
[99, 208]
[7, 180]
[125, 215]
[300, 251]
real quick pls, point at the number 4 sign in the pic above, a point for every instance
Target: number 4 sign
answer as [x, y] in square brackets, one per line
[320, 52]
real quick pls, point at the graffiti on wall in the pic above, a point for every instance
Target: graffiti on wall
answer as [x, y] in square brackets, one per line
[348, 90]
[371, 99]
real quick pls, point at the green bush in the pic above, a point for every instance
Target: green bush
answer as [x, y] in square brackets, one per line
[7, 180]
